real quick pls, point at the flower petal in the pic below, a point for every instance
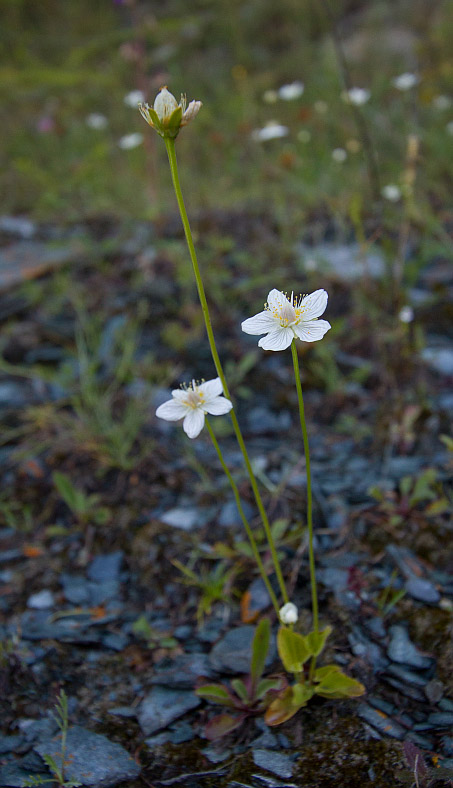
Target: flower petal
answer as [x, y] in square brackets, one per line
[261, 323]
[315, 304]
[171, 410]
[277, 300]
[179, 394]
[193, 423]
[217, 406]
[312, 330]
[210, 389]
[279, 339]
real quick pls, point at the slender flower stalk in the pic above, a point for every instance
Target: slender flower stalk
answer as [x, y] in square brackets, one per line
[245, 522]
[311, 552]
[170, 146]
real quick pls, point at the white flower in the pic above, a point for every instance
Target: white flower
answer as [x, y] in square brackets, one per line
[357, 96]
[192, 403]
[284, 319]
[166, 116]
[134, 98]
[391, 192]
[271, 131]
[130, 141]
[96, 121]
[441, 102]
[449, 127]
[406, 314]
[270, 96]
[406, 81]
[288, 613]
[292, 91]
[339, 155]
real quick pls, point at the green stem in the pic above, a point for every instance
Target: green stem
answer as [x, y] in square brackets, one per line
[245, 522]
[311, 552]
[170, 145]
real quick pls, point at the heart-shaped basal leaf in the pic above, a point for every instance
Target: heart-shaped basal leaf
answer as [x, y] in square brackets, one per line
[222, 724]
[215, 693]
[260, 647]
[293, 649]
[288, 703]
[333, 683]
[317, 640]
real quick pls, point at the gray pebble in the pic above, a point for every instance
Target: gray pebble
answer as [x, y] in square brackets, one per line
[162, 706]
[402, 650]
[274, 762]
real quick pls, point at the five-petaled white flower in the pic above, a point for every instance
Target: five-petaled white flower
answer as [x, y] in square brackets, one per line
[166, 116]
[192, 403]
[284, 319]
[288, 613]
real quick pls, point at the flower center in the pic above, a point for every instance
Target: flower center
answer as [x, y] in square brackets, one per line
[194, 397]
[290, 312]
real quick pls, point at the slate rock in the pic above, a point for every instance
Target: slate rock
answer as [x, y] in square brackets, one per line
[185, 518]
[440, 359]
[346, 261]
[17, 226]
[16, 773]
[42, 600]
[163, 706]
[182, 672]
[91, 758]
[9, 743]
[232, 653]
[229, 515]
[76, 589]
[274, 762]
[402, 650]
[261, 420]
[380, 721]
[441, 719]
[422, 590]
[105, 568]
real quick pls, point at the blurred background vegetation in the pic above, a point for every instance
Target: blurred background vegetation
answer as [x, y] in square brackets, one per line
[66, 150]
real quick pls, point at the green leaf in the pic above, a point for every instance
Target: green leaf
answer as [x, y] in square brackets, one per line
[317, 640]
[221, 725]
[335, 684]
[293, 649]
[321, 673]
[440, 506]
[267, 685]
[260, 647]
[66, 489]
[240, 689]
[288, 703]
[215, 693]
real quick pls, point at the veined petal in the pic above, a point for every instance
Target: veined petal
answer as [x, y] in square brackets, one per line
[261, 323]
[315, 304]
[210, 389]
[312, 330]
[278, 339]
[217, 406]
[179, 394]
[193, 423]
[171, 410]
[277, 300]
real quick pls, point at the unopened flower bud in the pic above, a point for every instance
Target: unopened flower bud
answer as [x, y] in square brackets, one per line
[288, 613]
[167, 116]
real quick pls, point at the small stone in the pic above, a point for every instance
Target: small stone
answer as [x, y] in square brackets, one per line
[379, 720]
[214, 755]
[229, 515]
[183, 671]
[162, 706]
[124, 711]
[92, 759]
[105, 568]
[42, 600]
[441, 719]
[440, 359]
[434, 690]
[9, 743]
[184, 518]
[422, 590]
[402, 650]
[232, 653]
[274, 762]
[18, 226]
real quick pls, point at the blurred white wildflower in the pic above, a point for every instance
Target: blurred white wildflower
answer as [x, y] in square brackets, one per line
[284, 319]
[339, 155]
[304, 135]
[96, 121]
[391, 192]
[270, 96]
[442, 102]
[357, 96]
[193, 403]
[406, 314]
[449, 127]
[292, 91]
[406, 81]
[271, 131]
[321, 106]
[288, 613]
[134, 98]
[130, 141]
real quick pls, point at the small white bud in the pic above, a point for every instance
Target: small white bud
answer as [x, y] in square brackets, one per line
[191, 111]
[165, 104]
[288, 613]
